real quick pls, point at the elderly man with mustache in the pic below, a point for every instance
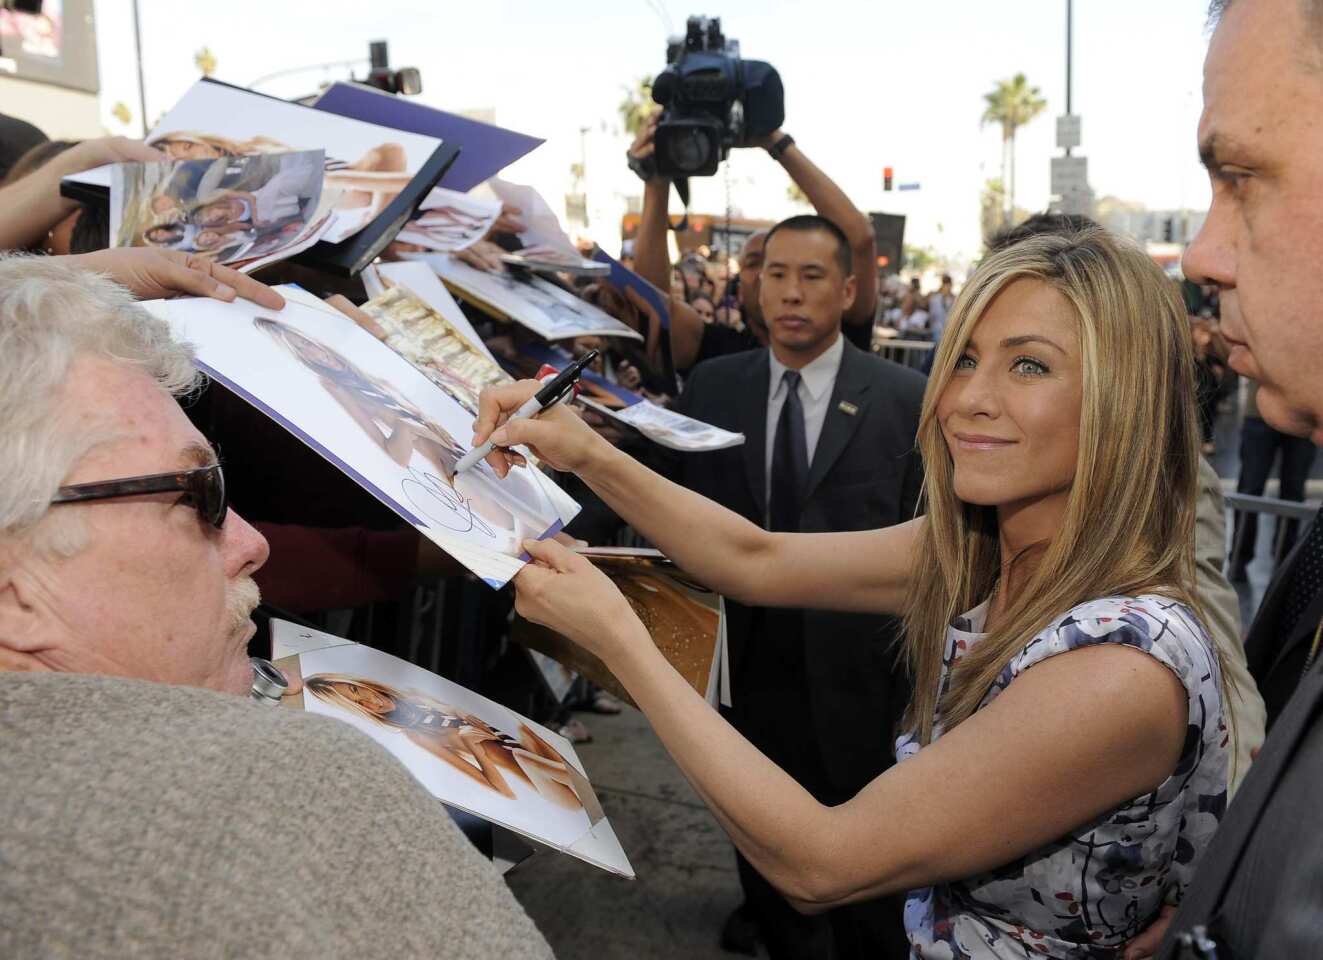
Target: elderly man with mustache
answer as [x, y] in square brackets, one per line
[150, 807]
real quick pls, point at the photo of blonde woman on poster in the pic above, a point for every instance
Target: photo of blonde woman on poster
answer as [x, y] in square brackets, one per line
[469, 752]
[466, 743]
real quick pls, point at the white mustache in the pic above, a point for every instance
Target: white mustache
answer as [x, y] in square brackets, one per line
[241, 600]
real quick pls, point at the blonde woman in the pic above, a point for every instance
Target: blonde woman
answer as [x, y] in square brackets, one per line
[465, 742]
[1065, 758]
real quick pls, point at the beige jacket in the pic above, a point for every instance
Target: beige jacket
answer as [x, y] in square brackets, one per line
[145, 820]
[1222, 610]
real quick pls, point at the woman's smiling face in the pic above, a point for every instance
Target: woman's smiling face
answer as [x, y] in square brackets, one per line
[1010, 413]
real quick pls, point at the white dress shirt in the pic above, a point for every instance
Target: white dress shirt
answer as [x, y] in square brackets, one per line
[817, 380]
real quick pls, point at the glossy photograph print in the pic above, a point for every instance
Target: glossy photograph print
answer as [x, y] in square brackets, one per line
[468, 751]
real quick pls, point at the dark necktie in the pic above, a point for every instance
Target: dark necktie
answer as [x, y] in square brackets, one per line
[789, 459]
[1306, 579]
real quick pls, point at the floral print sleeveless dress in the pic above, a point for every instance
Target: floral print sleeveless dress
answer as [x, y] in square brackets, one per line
[1086, 894]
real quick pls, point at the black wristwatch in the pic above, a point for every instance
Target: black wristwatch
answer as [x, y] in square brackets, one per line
[780, 147]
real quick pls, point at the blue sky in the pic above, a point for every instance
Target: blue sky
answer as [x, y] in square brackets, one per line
[869, 84]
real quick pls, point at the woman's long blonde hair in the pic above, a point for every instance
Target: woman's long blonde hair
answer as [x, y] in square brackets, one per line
[1130, 513]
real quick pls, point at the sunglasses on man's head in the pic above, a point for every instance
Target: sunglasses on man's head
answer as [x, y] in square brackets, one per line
[203, 489]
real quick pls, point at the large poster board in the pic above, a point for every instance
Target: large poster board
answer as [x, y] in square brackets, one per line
[377, 418]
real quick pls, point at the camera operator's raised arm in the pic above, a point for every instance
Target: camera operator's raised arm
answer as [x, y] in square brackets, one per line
[652, 262]
[830, 201]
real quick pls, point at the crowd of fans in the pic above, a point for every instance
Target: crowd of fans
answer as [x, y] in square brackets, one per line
[990, 687]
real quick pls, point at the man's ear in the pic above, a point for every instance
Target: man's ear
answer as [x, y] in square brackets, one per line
[21, 617]
[850, 291]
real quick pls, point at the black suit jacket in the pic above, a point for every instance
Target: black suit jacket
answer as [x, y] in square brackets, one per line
[865, 473]
[1259, 888]
[1275, 659]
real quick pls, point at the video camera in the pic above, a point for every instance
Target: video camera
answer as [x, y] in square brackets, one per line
[713, 100]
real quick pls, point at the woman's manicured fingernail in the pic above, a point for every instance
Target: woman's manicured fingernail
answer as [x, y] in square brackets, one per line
[500, 437]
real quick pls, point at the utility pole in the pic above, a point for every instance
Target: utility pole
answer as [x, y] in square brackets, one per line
[1070, 174]
[1070, 48]
[142, 87]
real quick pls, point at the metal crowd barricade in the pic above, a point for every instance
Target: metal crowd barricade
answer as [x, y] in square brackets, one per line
[910, 353]
[1302, 511]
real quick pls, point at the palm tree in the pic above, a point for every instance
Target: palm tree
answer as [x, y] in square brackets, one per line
[1011, 103]
[205, 61]
[637, 105]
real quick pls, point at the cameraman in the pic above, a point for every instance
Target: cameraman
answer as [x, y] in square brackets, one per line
[691, 339]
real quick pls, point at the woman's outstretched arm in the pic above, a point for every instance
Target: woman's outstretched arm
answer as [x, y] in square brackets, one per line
[865, 571]
[1074, 736]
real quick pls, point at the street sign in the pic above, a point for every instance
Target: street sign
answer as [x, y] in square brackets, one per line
[1068, 131]
[907, 186]
[1070, 175]
[1078, 202]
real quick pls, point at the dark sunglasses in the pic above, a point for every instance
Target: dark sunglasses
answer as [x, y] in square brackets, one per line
[203, 489]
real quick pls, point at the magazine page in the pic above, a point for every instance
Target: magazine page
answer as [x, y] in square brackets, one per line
[542, 307]
[450, 221]
[670, 429]
[422, 282]
[233, 210]
[377, 418]
[366, 165]
[427, 340]
[468, 751]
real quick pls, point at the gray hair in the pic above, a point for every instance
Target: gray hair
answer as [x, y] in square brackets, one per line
[1311, 9]
[52, 314]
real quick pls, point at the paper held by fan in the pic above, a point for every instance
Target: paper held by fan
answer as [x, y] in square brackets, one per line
[683, 619]
[469, 752]
[244, 211]
[377, 418]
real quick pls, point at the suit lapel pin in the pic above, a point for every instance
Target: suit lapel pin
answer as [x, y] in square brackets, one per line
[847, 408]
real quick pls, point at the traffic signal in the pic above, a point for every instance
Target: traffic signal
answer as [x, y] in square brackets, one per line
[1167, 230]
[886, 178]
[889, 231]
